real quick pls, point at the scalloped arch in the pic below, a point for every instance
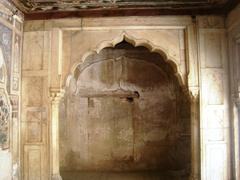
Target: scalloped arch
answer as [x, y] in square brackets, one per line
[135, 42]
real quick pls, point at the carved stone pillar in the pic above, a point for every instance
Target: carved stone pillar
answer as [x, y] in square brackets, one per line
[193, 84]
[195, 134]
[55, 96]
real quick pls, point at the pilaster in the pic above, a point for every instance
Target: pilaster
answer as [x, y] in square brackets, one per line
[55, 97]
[195, 134]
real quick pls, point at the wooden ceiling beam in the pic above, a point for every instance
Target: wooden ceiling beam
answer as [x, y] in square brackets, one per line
[214, 9]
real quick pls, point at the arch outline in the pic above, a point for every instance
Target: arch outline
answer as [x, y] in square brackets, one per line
[124, 36]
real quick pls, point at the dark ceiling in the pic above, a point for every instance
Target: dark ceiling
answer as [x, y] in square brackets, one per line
[47, 9]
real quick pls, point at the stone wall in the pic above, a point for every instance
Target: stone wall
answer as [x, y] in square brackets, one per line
[54, 50]
[10, 76]
[214, 112]
[35, 108]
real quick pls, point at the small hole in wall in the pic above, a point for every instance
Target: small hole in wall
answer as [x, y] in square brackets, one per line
[130, 99]
[136, 94]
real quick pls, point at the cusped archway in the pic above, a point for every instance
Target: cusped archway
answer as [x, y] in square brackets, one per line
[126, 109]
[152, 48]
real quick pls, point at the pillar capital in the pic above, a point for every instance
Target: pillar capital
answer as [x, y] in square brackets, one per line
[194, 92]
[56, 95]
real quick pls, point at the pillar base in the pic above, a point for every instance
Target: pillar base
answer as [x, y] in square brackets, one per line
[56, 177]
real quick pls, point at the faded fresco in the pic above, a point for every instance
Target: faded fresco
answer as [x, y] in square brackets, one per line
[5, 58]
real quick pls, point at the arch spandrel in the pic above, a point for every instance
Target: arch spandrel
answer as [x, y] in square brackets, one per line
[173, 62]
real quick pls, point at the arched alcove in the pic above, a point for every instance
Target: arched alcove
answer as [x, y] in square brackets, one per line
[135, 42]
[126, 111]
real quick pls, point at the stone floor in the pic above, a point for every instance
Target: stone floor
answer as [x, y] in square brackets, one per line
[119, 176]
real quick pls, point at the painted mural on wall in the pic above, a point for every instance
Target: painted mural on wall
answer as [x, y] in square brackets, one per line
[10, 46]
[5, 57]
[4, 120]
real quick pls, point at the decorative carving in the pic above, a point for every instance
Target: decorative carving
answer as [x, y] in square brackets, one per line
[194, 93]
[4, 120]
[47, 5]
[56, 95]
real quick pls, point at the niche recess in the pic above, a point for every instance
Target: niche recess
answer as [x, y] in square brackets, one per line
[126, 111]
